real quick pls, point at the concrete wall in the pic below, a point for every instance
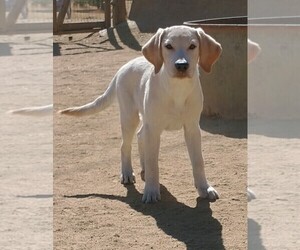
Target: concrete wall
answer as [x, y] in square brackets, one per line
[154, 14]
[274, 77]
[225, 88]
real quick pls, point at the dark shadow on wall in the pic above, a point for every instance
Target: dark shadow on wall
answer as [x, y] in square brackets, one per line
[288, 129]
[228, 128]
[195, 227]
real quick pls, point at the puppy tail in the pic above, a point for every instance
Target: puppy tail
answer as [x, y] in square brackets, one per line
[99, 104]
[33, 111]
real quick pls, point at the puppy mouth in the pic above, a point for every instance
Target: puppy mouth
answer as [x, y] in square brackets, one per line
[182, 74]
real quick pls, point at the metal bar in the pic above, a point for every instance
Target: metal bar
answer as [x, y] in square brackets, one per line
[81, 27]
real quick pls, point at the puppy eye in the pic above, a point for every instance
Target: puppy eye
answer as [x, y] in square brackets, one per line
[169, 46]
[192, 46]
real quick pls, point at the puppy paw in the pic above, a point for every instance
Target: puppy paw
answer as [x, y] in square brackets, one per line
[151, 195]
[250, 195]
[127, 178]
[208, 193]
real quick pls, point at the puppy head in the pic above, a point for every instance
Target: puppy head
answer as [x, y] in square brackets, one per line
[179, 49]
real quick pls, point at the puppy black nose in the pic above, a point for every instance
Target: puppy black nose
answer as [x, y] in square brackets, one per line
[181, 65]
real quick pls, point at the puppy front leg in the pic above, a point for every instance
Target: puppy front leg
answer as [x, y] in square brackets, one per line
[192, 136]
[151, 151]
[141, 143]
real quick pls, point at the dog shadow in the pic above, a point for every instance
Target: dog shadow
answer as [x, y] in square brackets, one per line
[127, 38]
[255, 241]
[195, 227]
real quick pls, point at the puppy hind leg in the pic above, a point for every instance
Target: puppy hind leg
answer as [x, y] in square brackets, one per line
[129, 123]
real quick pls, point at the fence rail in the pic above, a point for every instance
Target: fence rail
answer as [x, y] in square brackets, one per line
[60, 16]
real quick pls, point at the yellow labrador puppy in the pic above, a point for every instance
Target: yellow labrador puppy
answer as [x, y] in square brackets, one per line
[163, 91]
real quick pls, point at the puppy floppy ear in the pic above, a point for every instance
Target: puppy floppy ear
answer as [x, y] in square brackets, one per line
[152, 50]
[253, 50]
[209, 50]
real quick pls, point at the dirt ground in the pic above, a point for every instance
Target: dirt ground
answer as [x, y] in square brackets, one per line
[273, 174]
[92, 210]
[26, 143]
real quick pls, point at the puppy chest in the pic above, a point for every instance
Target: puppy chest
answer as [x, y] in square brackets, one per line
[174, 119]
[174, 125]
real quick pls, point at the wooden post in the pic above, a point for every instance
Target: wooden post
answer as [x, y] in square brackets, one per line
[2, 15]
[55, 28]
[62, 13]
[119, 11]
[14, 13]
[107, 17]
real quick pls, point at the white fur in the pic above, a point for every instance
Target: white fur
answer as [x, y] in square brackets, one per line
[34, 111]
[253, 50]
[163, 98]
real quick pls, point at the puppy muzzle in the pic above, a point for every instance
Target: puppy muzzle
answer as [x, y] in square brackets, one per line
[181, 65]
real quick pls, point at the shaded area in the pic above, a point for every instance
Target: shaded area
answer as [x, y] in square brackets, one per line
[112, 39]
[37, 196]
[56, 49]
[275, 128]
[228, 128]
[254, 237]
[126, 36]
[173, 217]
